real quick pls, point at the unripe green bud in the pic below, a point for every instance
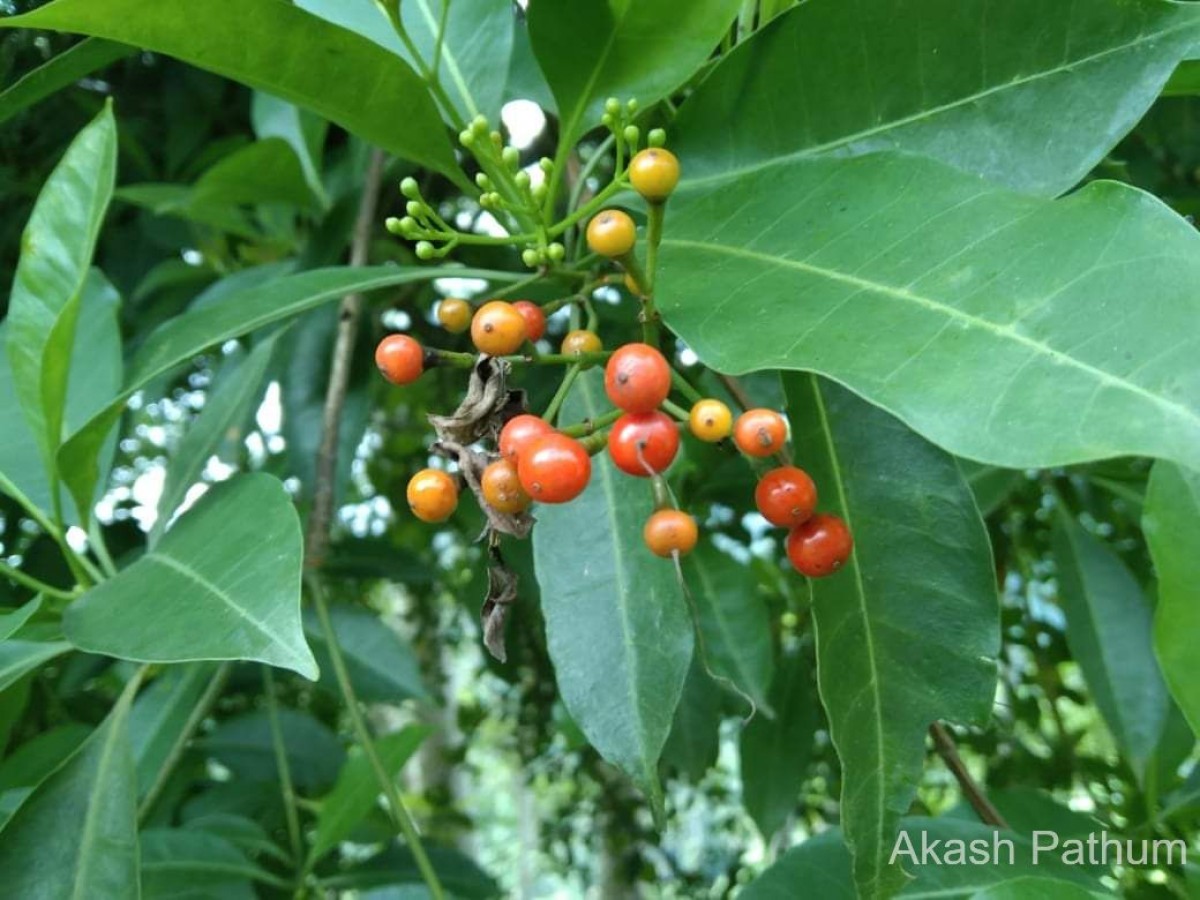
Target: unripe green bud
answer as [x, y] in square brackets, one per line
[485, 200]
[529, 256]
[540, 191]
[425, 250]
[479, 125]
[484, 183]
[556, 252]
[408, 225]
[657, 137]
[511, 157]
[607, 121]
[415, 208]
[522, 180]
[546, 164]
[631, 134]
[497, 200]
[612, 106]
[393, 225]
[632, 105]
[410, 189]
[466, 138]
[497, 140]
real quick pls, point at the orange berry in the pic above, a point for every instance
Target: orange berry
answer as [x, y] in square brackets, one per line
[670, 531]
[454, 315]
[581, 341]
[654, 172]
[498, 329]
[432, 495]
[611, 233]
[400, 359]
[502, 489]
[760, 432]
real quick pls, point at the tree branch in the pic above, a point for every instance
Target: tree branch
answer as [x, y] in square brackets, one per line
[349, 314]
[943, 741]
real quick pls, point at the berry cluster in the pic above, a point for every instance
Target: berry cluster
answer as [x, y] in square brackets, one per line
[511, 459]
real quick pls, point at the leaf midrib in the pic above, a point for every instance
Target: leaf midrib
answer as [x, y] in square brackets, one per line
[451, 60]
[99, 783]
[861, 596]
[1003, 332]
[933, 111]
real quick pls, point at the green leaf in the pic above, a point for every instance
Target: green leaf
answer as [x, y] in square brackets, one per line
[181, 861]
[1037, 886]
[76, 835]
[476, 47]
[908, 630]
[775, 753]
[382, 665]
[228, 316]
[304, 132]
[228, 404]
[245, 833]
[56, 253]
[886, 272]
[29, 764]
[965, 81]
[990, 485]
[59, 72]
[357, 791]
[641, 50]
[223, 583]
[1172, 525]
[161, 714]
[243, 744]
[823, 865]
[617, 627]
[274, 46]
[11, 622]
[694, 741]
[734, 625]
[1109, 630]
[19, 657]
[458, 873]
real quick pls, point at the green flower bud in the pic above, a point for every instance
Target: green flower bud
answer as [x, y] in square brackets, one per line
[466, 138]
[479, 125]
[631, 134]
[497, 140]
[392, 224]
[415, 208]
[425, 250]
[607, 121]
[522, 180]
[632, 105]
[612, 106]
[546, 164]
[556, 252]
[410, 189]
[408, 225]
[511, 157]
[482, 181]
[529, 256]
[485, 200]
[657, 137]
[540, 191]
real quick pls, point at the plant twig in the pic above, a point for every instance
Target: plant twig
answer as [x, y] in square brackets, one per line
[181, 741]
[321, 517]
[396, 805]
[285, 772]
[349, 314]
[943, 742]
[7, 571]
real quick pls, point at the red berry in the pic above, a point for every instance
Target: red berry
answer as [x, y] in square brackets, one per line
[400, 359]
[535, 319]
[519, 431]
[637, 378]
[654, 433]
[820, 546]
[760, 432]
[786, 496]
[554, 468]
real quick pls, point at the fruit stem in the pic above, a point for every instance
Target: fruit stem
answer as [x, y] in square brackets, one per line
[595, 443]
[560, 395]
[591, 426]
[675, 410]
[466, 360]
[685, 387]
